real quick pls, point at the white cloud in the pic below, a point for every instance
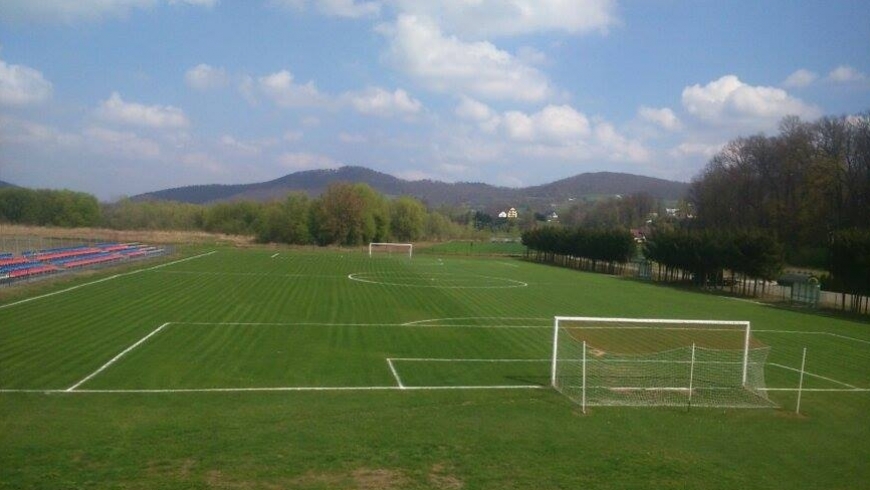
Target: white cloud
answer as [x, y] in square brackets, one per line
[115, 109]
[201, 161]
[123, 143]
[730, 102]
[448, 64]
[205, 77]
[689, 149]
[23, 132]
[664, 118]
[352, 138]
[306, 161]
[469, 108]
[487, 120]
[379, 102]
[616, 147]
[248, 89]
[310, 121]
[197, 3]
[293, 136]
[336, 8]
[281, 88]
[532, 56]
[846, 74]
[240, 146]
[480, 19]
[71, 11]
[800, 78]
[349, 8]
[22, 85]
[557, 124]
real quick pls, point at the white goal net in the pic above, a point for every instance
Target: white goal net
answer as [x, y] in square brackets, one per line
[658, 362]
[399, 249]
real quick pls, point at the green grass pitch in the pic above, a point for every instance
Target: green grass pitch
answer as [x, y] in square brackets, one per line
[329, 369]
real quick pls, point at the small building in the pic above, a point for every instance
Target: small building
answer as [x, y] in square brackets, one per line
[805, 288]
[512, 213]
[552, 216]
[502, 214]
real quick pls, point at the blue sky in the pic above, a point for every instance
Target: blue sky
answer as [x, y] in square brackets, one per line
[119, 97]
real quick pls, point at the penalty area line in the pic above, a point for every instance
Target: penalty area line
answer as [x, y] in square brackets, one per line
[276, 389]
[819, 376]
[395, 373]
[112, 361]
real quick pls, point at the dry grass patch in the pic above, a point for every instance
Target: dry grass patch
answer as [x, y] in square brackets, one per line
[99, 234]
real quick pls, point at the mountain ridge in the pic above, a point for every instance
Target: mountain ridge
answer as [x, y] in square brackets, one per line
[432, 192]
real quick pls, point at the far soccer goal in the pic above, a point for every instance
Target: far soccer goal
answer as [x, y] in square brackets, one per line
[399, 249]
[658, 362]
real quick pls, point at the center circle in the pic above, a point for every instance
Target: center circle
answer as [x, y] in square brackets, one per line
[444, 280]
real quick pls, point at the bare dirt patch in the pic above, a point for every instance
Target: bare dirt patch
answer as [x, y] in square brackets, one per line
[443, 478]
[368, 479]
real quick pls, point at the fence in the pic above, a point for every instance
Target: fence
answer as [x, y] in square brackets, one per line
[760, 289]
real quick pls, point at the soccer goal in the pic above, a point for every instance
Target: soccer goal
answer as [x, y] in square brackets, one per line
[391, 248]
[658, 362]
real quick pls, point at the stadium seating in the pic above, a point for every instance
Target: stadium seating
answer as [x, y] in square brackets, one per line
[39, 262]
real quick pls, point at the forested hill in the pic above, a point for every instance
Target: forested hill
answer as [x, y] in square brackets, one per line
[5, 184]
[434, 193]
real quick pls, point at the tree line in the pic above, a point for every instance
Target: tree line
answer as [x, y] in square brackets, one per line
[850, 268]
[807, 187]
[703, 256]
[594, 249]
[345, 214]
[803, 184]
[48, 207]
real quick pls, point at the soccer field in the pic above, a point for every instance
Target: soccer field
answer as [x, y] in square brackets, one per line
[330, 369]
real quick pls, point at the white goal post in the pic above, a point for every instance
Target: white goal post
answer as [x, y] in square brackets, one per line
[391, 247]
[658, 362]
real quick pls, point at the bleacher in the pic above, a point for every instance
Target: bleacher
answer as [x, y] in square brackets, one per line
[34, 263]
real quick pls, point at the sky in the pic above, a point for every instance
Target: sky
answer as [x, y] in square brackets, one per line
[121, 97]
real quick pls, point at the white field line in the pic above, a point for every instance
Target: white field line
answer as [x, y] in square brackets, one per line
[272, 257]
[111, 361]
[390, 325]
[105, 279]
[284, 389]
[432, 320]
[798, 332]
[395, 374]
[512, 283]
[813, 375]
[821, 390]
[436, 359]
[374, 388]
[507, 264]
[252, 274]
